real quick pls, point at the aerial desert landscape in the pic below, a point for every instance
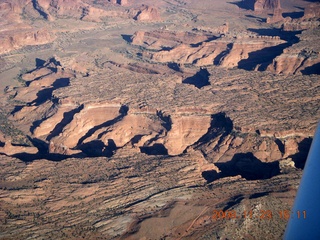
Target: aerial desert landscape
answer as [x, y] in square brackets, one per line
[145, 119]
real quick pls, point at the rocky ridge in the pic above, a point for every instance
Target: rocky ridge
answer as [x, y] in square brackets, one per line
[69, 126]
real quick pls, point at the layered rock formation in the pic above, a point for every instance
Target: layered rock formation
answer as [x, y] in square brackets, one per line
[226, 52]
[302, 57]
[70, 126]
[242, 48]
[166, 39]
[12, 40]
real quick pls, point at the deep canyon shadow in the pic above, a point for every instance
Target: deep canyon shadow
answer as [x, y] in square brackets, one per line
[156, 149]
[314, 69]
[200, 79]
[246, 165]
[301, 156]
[97, 148]
[94, 148]
[46, 94]
[244, 4]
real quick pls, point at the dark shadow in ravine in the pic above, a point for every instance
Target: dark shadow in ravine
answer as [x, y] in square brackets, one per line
[300, 157]
[40, 62]
[94, 148]
[289, 36]
[156, 149]
[263, 58]
[244, 4]
[260, 19]
[293, 15]
[174, 66]
[246, 165]
[314, 69]
[211, 38]
[200, 79]
[220, 56]
[280, 145]
[126, 37]
[28, 157]
[233, 202]
[258, 195]
[166, 120]
[46, 94]
[16, 109]
[97, 148]
[39, 9]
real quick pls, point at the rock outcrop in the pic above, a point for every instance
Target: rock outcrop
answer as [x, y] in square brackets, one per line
[261, 5]
[276, 17]
[13, 40]
[145, 13]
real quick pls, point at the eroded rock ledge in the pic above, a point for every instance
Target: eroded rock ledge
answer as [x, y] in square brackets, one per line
[62, 127]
